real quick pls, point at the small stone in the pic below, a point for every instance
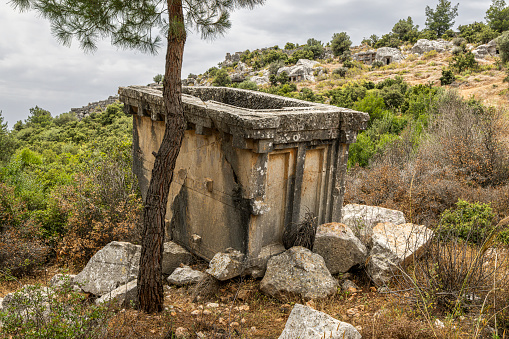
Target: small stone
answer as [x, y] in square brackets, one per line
[234, 324]
[212, 305]
[351, 312]
[439, 324]
[196, 312]
[244, 308]
[252, 329]
[207, 312]
[372, 289]
[243, 320]
[181, 332]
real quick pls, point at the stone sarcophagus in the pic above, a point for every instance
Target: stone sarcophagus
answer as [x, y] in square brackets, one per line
[250, 164]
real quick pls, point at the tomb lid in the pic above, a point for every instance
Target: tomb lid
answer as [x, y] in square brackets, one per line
[250, 114]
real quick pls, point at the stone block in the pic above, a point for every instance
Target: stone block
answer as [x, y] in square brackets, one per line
[173, 256]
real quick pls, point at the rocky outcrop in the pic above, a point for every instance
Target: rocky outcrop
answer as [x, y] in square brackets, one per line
[298, 272]
[395, 245]
[228, 265]
[257, 266]
[303, 70]
[173, 256]
[124, 295]
[339, 247]
[114, 265]
[305, 322]
[97, 106]
[362, 218]
[185, 276]
[424, 45]
[483, 51]
[261, 80]
[388, 55]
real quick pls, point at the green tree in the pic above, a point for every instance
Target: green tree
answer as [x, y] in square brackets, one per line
[158, 78]
[340, 43]
[497, 16]
[503, 46]
[133, 24]
[442, 18]
[8, 144]
[315, 47]
[405, 30]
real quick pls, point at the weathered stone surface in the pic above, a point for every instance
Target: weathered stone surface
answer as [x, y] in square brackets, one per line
[424, 45]
[258, 266]
[305, 322]
[482, 51]
[298, 271]
[224, 266]
[349, 286]
[339, 247]
[395, 245]
[185, 275]
[124, 295]
[303, 70]
[362, 218]
[173, 256]
[60, 280]
[114, 265]
[389, 55]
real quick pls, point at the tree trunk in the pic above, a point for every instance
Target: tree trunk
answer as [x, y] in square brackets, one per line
[150, 283]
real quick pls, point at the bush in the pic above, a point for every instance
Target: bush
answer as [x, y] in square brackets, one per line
[221, 78]
[246, 84]
[469, 221]
[447, 77]
[503, 46]
[377, 64]
[463, 61]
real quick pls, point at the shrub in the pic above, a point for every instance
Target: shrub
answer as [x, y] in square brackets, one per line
[463, 61]
[469, 221]
[503, 46]
[221, 78]
[377, 64]
[246, 84]
[429, 55]
[289, 45]
[447, 77]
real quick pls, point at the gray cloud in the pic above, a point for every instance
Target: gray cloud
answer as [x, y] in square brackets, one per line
[36, 70]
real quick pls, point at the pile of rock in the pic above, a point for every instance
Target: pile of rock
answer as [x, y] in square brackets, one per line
[424, 45]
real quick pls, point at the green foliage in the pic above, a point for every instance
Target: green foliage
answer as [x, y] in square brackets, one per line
[222, 78]
[497, 16]
[340, 71]
[388, 40]
[7, 141]
[373, 104]
[282, 79]
[477, 32]
[463, 61]
[447, 77]
[503, 46]
[37, 312]
[304, 53]
[158, 78]
[406, 31]
[274, 66]
[246, 84]
[340, 43]
[472, 222]
[442, 17]
[428, 34]
[315, 47]
[289, 46]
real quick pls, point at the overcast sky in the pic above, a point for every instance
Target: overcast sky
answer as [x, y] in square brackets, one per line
[36, 70]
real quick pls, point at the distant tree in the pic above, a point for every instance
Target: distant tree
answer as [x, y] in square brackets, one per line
[38, 117]
[340, 43]
[406, 31]
[134, 24]
[158, 78]
[289, 45]
[497, 16]
[388, 40]
[8, 144]
[442, 18]
[315, 47]
[222, 78]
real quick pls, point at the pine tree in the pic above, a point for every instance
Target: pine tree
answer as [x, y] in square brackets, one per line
[442, 18]
[133, 24]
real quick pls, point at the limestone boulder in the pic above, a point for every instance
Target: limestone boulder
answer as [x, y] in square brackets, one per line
[185, 276]
[362, 219]
[257, 266]
[114, 265]
[389, 55]
[305, 322]
[395, 245]
[124, 295]
[303, 70]
[173, 256]
[227, 265]
[483, 51]
[300, 272]
[339, 247]
[424, 45]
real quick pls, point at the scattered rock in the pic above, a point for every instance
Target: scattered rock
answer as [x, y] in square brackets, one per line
[300, 272]
[181, 332]
[349, 286]
[212, 305]
[261, 80]
[184, 276]
[303, 70]
[114, 265]
[305, 322]
[424, 45]
[482, 51]
[395, 245]
[206, 287]
[173, 256]
[124, 295]
[339, 247]
[362, 218]
[225, 266]
[258, 265]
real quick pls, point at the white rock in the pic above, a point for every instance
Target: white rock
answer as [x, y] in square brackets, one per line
[389, 55]
[124, 295]
[424, 45]
[114, 265]
[173, 256]
[224, 266]
[257, 266]
[185, 275]
[305, 322]
[339, 247]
